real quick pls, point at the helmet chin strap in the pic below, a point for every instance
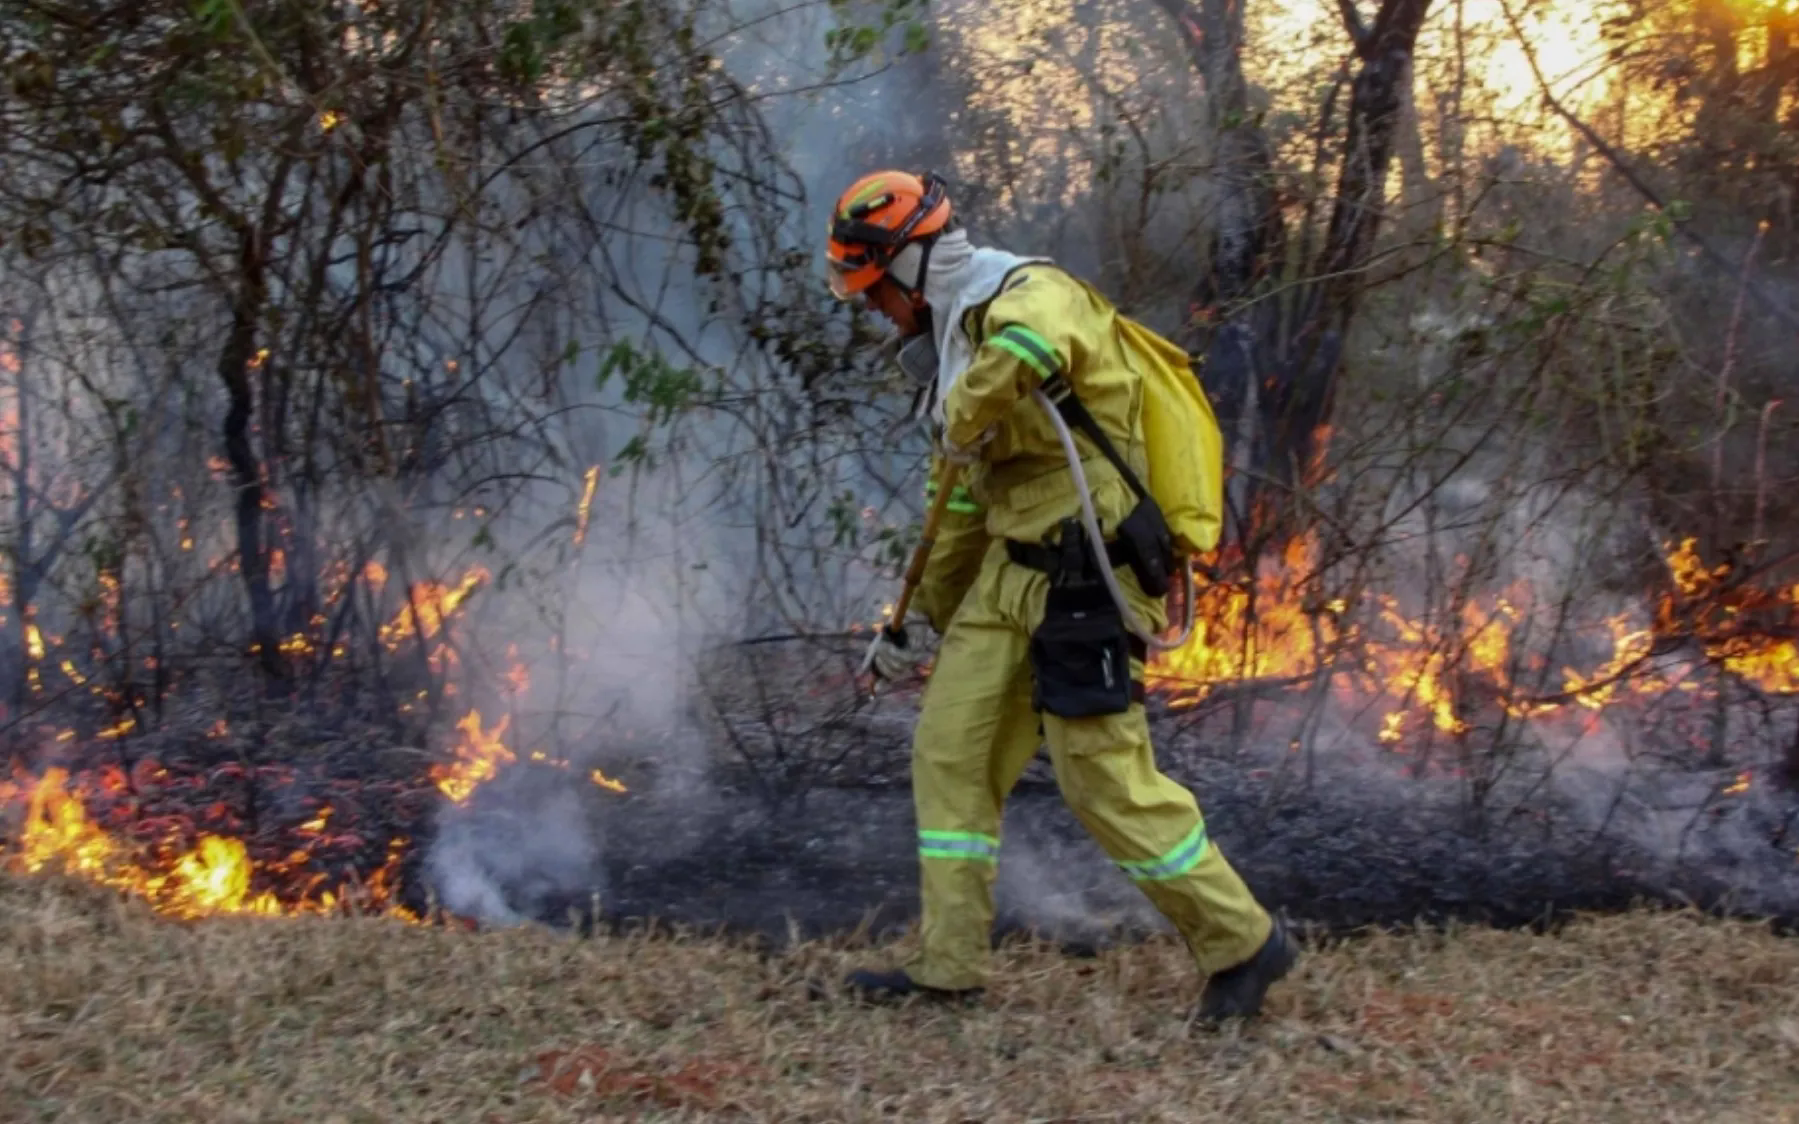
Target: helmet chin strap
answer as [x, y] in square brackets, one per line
[914, 289]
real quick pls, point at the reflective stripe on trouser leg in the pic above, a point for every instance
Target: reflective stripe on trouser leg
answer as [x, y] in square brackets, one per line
[975, 736]
[958, 846]
[1152, 828]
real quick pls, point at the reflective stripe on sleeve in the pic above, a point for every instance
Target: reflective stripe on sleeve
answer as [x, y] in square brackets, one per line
[1029, 348]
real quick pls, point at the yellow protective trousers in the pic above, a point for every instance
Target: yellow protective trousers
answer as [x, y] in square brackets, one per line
[978, 731]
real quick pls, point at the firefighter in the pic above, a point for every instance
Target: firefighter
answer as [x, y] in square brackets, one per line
[1018, 662]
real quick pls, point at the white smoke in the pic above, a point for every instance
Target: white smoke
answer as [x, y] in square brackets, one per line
[516, 859]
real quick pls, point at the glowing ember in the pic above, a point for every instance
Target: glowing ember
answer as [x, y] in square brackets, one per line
[517, 678]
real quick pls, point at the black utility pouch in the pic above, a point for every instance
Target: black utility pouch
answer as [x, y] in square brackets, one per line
[1081, 654]
[1148, 547]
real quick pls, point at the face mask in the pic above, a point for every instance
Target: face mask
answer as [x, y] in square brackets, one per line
[917, 359]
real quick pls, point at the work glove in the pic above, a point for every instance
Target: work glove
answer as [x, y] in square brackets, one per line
[966, 455]
[895, 654]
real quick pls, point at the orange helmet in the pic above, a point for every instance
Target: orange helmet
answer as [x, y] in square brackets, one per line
[877, 217]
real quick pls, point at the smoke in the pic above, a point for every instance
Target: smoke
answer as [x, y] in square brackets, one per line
[1064, 886]
[519, 854]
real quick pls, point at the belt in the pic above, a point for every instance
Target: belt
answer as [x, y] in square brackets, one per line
[1048, 559]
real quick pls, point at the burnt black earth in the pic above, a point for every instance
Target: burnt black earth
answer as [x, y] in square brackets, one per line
[1357, 844]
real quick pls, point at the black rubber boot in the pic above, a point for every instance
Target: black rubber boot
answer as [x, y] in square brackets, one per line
[1237, 992]
[896, 986]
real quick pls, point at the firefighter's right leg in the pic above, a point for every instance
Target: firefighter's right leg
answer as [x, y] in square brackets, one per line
[975, 735]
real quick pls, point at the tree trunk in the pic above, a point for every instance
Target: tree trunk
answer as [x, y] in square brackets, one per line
[1247, 241]
[1376, 107]
[235, 364]
[1271, 368]
[25, 576]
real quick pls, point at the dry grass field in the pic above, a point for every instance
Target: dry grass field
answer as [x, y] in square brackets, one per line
[108, 1013]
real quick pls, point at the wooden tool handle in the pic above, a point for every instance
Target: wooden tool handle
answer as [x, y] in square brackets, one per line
[922, 553]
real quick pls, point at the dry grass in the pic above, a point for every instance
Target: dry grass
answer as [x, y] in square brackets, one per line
[109, 1014]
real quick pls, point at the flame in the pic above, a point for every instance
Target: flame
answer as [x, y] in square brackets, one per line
[480, 754]
[604, 781]
[431, 605]
[1421, 673]
[1255, 630]
[1418, 674]
[214, 876]
[479, 757]
[589, 483]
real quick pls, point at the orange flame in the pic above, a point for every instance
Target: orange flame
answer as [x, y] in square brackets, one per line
[1416, 669]
[590, 482]
[479, 756]
[432, 604]
[606, 782]
[212, 878]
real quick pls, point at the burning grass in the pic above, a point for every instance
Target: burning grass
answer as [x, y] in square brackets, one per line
[107, 1012]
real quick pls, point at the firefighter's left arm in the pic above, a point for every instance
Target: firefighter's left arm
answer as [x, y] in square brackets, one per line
[1028, 333]
[956, 558]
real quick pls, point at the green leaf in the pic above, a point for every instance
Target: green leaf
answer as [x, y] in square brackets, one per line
[213, 15]
[521, 61]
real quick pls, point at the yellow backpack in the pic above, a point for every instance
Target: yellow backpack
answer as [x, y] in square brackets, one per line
[1182, 443]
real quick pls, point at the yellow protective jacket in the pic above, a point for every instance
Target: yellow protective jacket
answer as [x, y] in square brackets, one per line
[1041, 321]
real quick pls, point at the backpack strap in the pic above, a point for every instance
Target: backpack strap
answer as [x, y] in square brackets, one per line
[1061, 392]
[1058, 388]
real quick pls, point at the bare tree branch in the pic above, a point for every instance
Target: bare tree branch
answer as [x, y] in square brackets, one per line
[1354, 24]
[1711, 254]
